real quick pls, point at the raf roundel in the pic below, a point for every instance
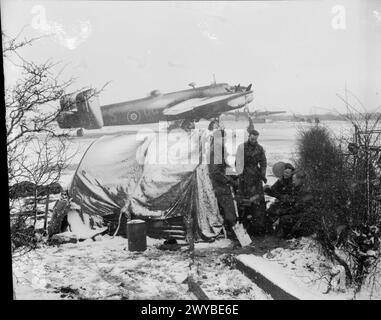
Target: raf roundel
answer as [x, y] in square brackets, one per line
[133, 117]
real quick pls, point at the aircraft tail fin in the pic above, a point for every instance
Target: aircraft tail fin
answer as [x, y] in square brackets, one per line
[80, 110]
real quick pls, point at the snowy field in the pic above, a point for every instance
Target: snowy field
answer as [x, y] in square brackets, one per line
[303, 262]
[105, 269]
[278, 139]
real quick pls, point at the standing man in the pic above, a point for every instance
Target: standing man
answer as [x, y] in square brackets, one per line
[251, 166]
[217, 172]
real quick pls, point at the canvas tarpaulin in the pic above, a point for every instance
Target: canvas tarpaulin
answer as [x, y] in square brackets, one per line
[129, 171]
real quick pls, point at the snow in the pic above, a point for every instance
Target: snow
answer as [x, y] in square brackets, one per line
[303, 262]
[25, 204]
[276, 275]
[105, 269]
[278, 139]
[79, 228]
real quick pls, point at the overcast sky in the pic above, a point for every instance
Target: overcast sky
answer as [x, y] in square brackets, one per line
[297, 54]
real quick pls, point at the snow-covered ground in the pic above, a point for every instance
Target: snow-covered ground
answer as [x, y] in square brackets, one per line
[105, 269]
[302, 261]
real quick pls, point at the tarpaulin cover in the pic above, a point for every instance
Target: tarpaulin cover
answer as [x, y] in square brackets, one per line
[154, 178]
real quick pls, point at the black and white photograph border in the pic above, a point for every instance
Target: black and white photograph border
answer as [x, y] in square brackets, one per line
[193, 150]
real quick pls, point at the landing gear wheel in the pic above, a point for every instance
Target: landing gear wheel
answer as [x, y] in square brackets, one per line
[80, 132]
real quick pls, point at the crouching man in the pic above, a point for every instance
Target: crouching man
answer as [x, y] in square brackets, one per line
[280, 190]
[288, 215]
[283, 185]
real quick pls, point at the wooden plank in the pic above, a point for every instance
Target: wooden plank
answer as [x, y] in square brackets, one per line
[261, 281]
[272, 278]
[194, 287]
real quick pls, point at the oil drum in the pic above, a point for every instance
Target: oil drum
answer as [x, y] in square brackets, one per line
[137, 235]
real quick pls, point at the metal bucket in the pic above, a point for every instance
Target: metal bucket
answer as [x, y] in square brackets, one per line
[137, 235]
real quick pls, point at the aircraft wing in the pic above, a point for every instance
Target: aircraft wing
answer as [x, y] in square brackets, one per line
[267, 113]
[256, 113]
[230, 101]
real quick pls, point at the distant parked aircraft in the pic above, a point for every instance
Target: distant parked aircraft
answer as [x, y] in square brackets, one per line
[296, 118]
[256, 115]
[83, 110]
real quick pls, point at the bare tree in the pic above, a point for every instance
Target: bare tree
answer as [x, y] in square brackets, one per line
[31, 102]
[43, 164]
[37, 151]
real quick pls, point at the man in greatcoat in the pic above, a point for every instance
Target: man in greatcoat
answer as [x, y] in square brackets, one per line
[251, 166]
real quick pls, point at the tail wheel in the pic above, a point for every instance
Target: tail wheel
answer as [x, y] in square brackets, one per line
[80, 132]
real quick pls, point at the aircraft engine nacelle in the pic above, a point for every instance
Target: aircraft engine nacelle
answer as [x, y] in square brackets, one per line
[80, 111]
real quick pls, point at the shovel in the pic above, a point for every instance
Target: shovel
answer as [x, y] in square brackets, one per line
[239, 230]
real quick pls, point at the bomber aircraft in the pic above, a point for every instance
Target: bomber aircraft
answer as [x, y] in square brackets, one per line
[256, 115]
[82, 110]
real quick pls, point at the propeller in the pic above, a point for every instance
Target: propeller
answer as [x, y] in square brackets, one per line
[238, 88]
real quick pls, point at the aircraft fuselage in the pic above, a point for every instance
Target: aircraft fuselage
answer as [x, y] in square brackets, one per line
[84, 110]
[150, 109]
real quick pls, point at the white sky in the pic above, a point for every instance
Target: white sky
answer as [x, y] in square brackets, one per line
[289, 50]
